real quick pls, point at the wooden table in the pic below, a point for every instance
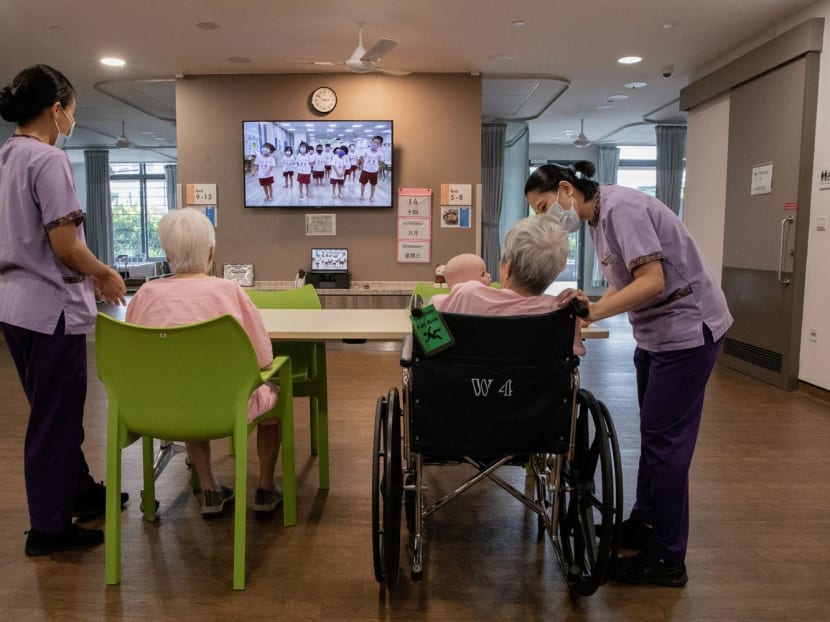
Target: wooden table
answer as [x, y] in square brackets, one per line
[369, 324]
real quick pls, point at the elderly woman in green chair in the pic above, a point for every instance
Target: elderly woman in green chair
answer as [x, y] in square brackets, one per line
[191, 296]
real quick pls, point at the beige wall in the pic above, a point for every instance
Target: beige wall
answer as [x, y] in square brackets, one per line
[704, 203]
[437, 134]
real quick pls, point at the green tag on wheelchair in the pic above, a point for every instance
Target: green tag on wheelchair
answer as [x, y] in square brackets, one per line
[431, 330]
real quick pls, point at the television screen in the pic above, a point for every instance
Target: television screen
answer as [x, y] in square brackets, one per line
[329, 259]
[318, 163]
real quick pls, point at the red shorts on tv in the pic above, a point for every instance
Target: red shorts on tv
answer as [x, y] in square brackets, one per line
[372, 178]
[304, 178]
[288, 174]
[317, 174]
[266, 181]
[336, 182]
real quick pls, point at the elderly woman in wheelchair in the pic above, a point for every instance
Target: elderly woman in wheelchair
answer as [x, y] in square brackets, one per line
[502, 391]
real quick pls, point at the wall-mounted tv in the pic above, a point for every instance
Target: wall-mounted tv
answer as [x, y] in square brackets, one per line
[313, 164]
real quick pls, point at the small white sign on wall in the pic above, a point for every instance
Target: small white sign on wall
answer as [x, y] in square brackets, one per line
[761, 179]
[824, 177]
[321, 224]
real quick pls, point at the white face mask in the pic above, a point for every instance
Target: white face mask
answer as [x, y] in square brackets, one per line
[62, 139]
[569, 219]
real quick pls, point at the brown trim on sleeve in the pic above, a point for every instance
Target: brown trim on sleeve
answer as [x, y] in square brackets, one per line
[76, 217]
[641, 261]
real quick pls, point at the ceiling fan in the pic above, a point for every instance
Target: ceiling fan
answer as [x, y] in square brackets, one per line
[581, 140]
[366, 61]
[122, 142]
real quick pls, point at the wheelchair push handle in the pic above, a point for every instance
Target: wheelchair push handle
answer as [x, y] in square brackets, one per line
[580, 307]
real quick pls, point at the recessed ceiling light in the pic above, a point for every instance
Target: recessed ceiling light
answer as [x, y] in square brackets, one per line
[669, 25]
[239, 59]
[604, 107]
[519, 23]
[617, 98]
[113, 62]
[636, 85]
[207, 25]
[322, 62]
[629, 60]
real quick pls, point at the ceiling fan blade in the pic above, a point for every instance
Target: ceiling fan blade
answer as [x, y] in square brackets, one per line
[392, 72]
[378, 50]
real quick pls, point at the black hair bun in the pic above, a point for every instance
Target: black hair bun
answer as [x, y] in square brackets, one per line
[9, 107]
[586, 168]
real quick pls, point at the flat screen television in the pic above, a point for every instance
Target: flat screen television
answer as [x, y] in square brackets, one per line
[278, 174]
[329, 259]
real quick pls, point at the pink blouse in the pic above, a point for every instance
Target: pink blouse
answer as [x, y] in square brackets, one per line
[177, 301]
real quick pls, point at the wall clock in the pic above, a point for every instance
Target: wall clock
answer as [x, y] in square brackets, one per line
[323, 99]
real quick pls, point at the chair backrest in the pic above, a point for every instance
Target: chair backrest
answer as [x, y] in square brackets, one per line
[179, 383]
[302, 354]
[304, 297]
[504, 387]
[426, 291]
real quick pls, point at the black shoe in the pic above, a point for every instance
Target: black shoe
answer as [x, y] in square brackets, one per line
[73, 539]
[92, 503]
[643, 569]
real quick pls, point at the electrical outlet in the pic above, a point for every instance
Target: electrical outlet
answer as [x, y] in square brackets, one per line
[813, 335]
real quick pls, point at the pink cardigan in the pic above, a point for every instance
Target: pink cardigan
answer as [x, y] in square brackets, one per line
[177, 301]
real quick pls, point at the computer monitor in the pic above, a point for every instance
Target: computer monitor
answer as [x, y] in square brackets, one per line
[329, 260]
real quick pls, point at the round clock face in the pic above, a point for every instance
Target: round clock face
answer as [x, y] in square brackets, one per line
[323, 99]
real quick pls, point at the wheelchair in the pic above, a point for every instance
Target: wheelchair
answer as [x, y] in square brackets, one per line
[506, 393]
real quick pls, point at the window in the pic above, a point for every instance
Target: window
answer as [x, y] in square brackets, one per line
[638, 169]
[139, 200]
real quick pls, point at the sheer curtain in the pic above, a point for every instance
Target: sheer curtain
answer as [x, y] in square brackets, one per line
[171, 178]
[516, 157]
[671, 150]
[492, 188]
[98, 208]
[608, 161]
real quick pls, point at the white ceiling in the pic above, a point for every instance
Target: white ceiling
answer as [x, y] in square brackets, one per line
[565, 52]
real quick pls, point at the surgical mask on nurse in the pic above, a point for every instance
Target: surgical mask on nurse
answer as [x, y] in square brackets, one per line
[62, 139]
[568, 218]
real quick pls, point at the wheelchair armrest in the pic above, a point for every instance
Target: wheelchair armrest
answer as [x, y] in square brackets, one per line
[406, 351]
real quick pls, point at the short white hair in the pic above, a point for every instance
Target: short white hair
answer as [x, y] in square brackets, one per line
[187, 237]
[537, 248]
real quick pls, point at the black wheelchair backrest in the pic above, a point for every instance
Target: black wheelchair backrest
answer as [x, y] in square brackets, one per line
[504, 387]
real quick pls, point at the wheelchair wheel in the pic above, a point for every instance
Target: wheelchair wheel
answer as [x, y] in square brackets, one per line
[591, 510]
[387, 488]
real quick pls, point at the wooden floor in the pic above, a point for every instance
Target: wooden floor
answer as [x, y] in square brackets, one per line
[760, 532]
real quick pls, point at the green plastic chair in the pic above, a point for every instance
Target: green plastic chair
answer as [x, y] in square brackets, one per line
[308, 361]
[426, 291]
[185, 383]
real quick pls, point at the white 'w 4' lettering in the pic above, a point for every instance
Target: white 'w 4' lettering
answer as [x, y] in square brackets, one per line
[481, 386]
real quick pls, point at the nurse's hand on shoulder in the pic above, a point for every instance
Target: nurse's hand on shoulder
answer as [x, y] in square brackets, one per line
[111, 286]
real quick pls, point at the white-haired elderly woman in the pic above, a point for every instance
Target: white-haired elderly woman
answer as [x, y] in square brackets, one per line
[191, 296]
[535, 252]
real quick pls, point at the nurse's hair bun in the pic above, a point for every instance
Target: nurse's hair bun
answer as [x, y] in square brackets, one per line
[583, 169]
[9, 105]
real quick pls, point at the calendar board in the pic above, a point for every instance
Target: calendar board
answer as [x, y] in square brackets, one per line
[414, 242]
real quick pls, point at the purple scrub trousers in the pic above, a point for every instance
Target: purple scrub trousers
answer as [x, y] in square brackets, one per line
[52, 369]
[670, 387]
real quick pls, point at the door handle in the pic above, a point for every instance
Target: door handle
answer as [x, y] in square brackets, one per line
[781, 279]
